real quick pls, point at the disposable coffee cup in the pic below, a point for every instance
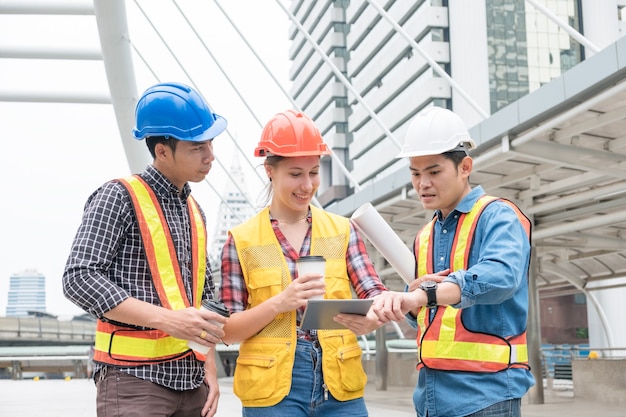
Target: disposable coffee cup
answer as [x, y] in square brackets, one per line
[312, 265]
[216, 307]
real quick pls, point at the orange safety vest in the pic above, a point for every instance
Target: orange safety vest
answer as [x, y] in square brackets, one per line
[443, 341]
[119, 344]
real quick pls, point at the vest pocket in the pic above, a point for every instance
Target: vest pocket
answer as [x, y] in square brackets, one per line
[336, 286]
[255, 377]
[264, 283]
[353, 377]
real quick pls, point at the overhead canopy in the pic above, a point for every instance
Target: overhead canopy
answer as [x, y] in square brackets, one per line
[560, 153]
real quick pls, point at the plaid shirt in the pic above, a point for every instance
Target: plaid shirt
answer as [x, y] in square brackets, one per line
[107, 265]
[363, 276]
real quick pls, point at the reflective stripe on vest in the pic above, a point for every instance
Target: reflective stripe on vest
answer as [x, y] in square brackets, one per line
[265, 362]
[445, 343]
[126, 345]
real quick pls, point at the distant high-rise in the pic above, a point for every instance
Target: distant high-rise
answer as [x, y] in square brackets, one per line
[27, 293]
[234, 209]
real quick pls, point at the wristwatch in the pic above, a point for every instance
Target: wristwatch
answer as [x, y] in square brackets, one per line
[431, 292]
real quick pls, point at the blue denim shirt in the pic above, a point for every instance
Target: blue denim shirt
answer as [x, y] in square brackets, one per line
[494, 299]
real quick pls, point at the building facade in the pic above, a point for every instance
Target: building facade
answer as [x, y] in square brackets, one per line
[399, 57]
[364, 69]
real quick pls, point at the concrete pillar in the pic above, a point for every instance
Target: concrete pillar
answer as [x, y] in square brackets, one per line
[469, 57]
[600, 23]
[533, 332]
[610, 295]
[16, 370]
[381, 359]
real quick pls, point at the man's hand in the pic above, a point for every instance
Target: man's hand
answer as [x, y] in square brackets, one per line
[437, 277]
[210, 379]
[190, 323]
[196, 325]
[393, 305]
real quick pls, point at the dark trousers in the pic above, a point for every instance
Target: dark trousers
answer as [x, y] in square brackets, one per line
[123, 395]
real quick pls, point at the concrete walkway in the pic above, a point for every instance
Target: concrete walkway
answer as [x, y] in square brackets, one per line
[76, 398]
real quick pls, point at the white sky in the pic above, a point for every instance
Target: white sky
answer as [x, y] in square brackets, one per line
[55, 155]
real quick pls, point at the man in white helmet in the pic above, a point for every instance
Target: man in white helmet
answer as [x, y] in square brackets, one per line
[469, 301]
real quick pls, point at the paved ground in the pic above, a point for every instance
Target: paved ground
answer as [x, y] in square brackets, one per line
[76, 398]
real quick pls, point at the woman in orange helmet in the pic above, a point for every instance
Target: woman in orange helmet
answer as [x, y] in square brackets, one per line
[283, 370]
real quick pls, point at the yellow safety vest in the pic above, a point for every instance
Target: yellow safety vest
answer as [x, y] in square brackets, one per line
[443, 342]
[264, 366]
[119, 344]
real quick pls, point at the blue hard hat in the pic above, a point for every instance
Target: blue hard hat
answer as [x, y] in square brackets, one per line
[176, 110]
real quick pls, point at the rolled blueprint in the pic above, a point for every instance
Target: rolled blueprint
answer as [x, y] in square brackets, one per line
[372, 225]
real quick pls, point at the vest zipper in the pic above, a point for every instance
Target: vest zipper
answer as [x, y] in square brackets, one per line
[325, 391]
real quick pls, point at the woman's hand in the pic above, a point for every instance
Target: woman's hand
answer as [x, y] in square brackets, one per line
[360, 324]
[300, 291]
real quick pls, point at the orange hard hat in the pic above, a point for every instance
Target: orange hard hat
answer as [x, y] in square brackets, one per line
[291, 133]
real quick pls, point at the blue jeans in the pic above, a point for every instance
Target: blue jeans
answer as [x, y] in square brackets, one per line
[508, 408]
[307, 397]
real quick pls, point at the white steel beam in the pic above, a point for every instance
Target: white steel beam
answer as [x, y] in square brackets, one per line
[23, 52]
[113, 30]
[44, 7]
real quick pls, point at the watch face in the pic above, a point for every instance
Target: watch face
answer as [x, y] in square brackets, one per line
[428, 285]
[431, 292]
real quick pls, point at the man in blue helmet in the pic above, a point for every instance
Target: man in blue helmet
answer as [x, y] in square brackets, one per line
[139, 265]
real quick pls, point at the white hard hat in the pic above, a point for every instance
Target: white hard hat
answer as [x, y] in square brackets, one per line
[434, 131]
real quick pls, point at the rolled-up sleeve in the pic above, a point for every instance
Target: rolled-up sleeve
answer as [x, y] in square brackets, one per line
[86, 279]
[500, 257]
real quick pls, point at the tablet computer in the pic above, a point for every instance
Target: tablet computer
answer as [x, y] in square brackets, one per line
[319, 313]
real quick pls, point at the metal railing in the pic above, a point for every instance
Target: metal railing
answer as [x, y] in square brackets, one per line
[557, 359]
